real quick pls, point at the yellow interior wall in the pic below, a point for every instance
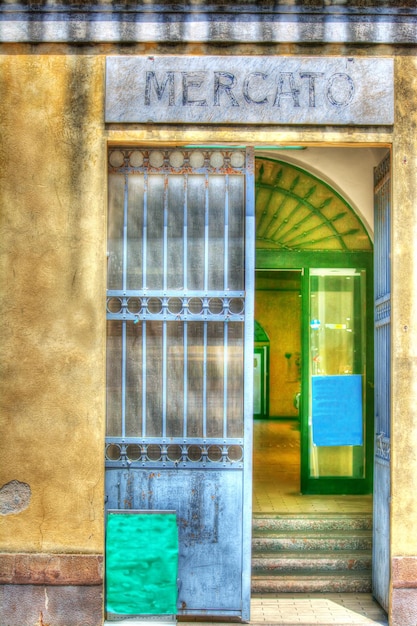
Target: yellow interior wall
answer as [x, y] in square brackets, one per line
[52, 276]
[279, 313]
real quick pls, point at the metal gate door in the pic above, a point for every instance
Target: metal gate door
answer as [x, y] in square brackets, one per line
[382, 485]
[180, 358]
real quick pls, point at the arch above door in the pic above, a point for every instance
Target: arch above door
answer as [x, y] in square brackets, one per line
[296, 211]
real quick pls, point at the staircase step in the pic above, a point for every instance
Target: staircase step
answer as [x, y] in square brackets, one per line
[311, 521]
[333, 582]
[340, 540]
[290, 562]
[307, 553]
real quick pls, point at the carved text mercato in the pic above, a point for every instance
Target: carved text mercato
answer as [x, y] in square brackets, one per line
[249, 90]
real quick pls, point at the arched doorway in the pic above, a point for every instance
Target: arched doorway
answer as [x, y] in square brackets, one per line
[314, 298]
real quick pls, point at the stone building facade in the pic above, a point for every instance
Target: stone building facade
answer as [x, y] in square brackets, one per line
[64, 102]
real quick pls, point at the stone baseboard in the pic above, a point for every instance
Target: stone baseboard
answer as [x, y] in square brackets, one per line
[51, 589]
[404, 591]
[51, 605]
[51, 569]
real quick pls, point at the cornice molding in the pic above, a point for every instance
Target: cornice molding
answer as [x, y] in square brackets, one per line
[206, 23]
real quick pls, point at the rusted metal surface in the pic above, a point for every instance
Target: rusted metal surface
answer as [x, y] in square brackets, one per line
[209, 512]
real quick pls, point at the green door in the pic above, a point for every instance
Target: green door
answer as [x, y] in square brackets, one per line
[336, 415]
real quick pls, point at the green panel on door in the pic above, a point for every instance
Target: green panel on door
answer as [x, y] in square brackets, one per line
[141, 563]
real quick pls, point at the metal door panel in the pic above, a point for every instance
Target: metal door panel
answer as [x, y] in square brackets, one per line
[208, 506]
[382, 481]
[180, 359]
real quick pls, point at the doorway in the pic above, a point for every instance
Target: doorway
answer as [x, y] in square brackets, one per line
[199, 340]
[313, 298]
[313, 454]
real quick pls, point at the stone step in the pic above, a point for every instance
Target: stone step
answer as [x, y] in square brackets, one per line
[307, 521]
[291, 562]
[295, 540]
[333, 582]
[307, 553]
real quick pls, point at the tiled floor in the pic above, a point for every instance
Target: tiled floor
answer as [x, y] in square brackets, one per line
[276, 489]
[337, 609]
[310, 609]
[276, 475]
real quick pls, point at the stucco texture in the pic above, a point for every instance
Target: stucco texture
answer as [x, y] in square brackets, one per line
[52, 276]
[404, 314]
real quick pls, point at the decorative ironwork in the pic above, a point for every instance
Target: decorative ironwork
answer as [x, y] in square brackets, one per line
[382, 447]
[180, 161]
[174, 453]
[383, 311]
[138, 306]
[176, 292]
[297, 211]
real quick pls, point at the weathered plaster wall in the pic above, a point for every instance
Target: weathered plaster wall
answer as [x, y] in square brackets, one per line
[404, 348]
[52, 264]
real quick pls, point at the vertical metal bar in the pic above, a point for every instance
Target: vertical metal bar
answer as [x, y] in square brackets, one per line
[206, 277]
[226, 286]
[144, 378]
[144, 285]
[205, 378]
[125, 216]
[185, 233]
[387, 342]
[124, 350]
[185, 379]
[379, 330]
[165, 242]
[226, 234]
[206, 233]
[145, 230]
[164, 378]
[185, 324]
[248, 379]
[225, 374]
[164, 323]
[124, 286]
